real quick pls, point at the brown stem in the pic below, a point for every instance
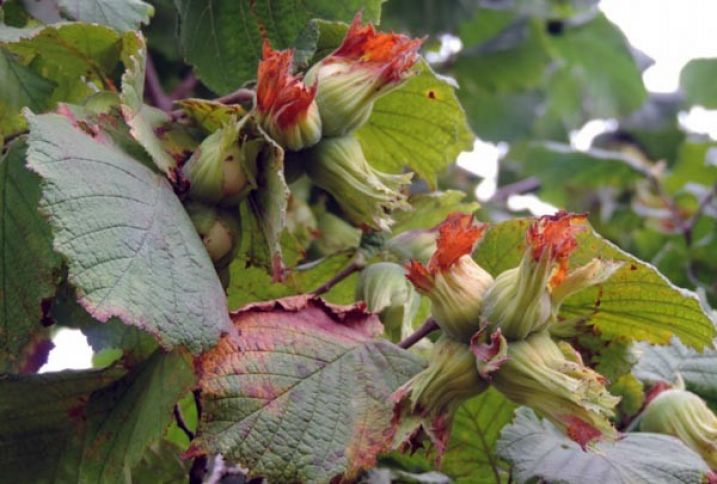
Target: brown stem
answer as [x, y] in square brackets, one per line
[199, 470]
[241, 95]
[153, 88]
[355, 265]
[185, 87]
[429, 326]
[181, 422]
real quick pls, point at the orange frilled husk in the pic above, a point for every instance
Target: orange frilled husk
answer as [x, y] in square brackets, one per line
[458, 236]
[278, 93]
[554, 236]
[392, 54]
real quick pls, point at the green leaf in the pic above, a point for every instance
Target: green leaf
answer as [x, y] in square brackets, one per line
[263, 215]
[698, 370]
[253, 284]
[697, 82]
[123, 419]
[430, 209]
[420, 125]
[40, 67]
[143, 120]
[222, 38]
[29, 270]
[302, 394]
[636, 303]
[37, 417]
[21, 87]
[696, 163]
[539, 451]
[74, 427]
[131, 250]
[124, 15]
[598, 56]
[471, 455]
[588, 170]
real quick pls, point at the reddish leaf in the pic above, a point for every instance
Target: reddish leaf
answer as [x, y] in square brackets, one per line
[300, 391]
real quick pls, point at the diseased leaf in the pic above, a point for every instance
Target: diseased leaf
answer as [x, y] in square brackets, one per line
[211, 115]
[471, 455]
[636, 303]
[539, 451]
[30, 269]
[299, 393]
[122, 15]
[131, 250]
[223, 38]
[698, 370]
[420, 125]
[88, 426]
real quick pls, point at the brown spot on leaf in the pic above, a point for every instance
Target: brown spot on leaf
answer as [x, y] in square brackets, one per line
[431, 94]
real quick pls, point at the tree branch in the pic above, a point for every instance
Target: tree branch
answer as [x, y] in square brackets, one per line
[181, 423]
[153, 88]
[502, 193]
[185, 87]
[689, 226]
[429, 326]
[241, 95]
[355, 265]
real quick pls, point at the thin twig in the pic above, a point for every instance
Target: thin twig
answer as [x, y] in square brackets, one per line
[185, 87]
[241, 95]
[199, 470]
[428, 327]
[529, 184]
[355, 265]
[689, 226]
[154, 89]
[181, 423]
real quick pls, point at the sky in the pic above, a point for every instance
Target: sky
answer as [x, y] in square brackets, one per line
[671, 32]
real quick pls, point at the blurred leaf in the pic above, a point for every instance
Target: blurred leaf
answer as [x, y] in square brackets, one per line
[636, 303]
[235, 31]
[427, 16]
[125, 258]
[697, 81]
[588, 170]
[420, 125]
[305, 389]
[161, 464]
[631, 391]
[597, 54]
[539, 451]
[123, 419]
[30, 269]
[38, 415]
[498, 116]
[471, 454]
[699, 370]
[696, 163]
[123, 16]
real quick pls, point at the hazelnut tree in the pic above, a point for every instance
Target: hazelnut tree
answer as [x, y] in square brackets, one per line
[250, 211]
